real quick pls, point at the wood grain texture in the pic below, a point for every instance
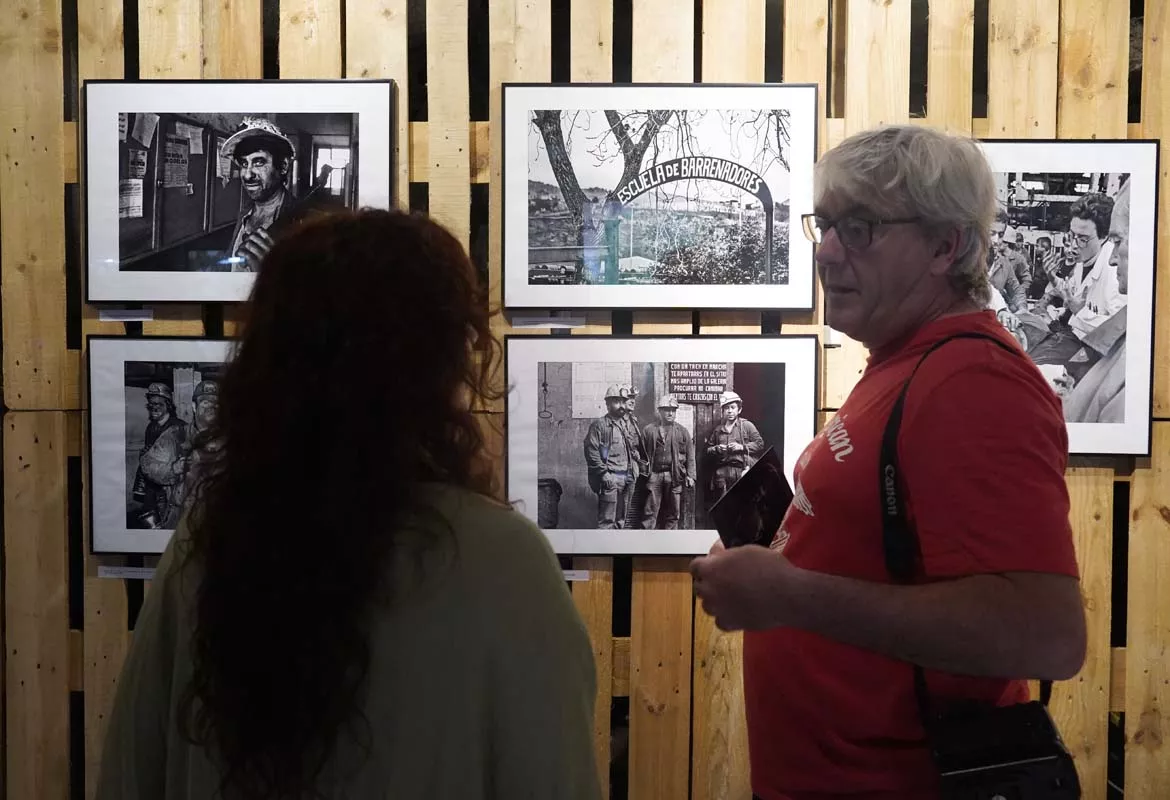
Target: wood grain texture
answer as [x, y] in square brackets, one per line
[594, 601]
[1147, 648]
[806, 52]
[950, 59]
[519, 32]
[1093, 58]
[448, 112]
[310, 38]
[1022, 40]
[719, 746]
[621, 666]
[660, 678]
[376, 47]
[36, 605]
[877, 90]
[591, 41]
[37, 371]
[233, 38]
[1156, 124]
[170, 36]
[733, 52]
[1081, 706]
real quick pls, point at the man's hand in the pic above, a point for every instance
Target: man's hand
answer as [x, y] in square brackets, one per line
[255, 246]
[690, 482]
[742, 588]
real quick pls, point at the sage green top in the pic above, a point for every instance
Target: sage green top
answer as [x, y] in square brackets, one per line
[481, 681]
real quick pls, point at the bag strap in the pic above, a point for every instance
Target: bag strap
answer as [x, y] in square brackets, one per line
[899, 542]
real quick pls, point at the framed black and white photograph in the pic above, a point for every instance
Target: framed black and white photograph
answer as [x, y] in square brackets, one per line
[187, 183]
[622, 444]
[151, 401]
[657, 196]
[1072, 273]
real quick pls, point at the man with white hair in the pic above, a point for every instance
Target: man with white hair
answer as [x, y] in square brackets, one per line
[833, 642]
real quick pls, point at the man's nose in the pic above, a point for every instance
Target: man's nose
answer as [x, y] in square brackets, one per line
[830, 250]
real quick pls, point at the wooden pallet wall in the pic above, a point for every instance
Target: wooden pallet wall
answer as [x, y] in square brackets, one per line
[1055, 68]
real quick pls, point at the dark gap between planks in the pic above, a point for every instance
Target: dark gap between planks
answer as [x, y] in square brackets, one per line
[416, 59]
[74, 280]
[270, 33]
[479, 59]
[130, 39]
[76, 541]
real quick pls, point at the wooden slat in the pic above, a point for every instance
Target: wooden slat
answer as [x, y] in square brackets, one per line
[733, 52]
[660, 678]
[1093, 97]
[69, 158]
[665, 33]
[170, 36]
[621, 666]
[1134, 130]
[594, 601]
[233, 39]
[1156, 124]
[719, 748]
[310, 38]
[1022, 38]
[76, 661]
[1117, 660]
[806, 51]
[448, 112]
[1147, 669]
[36, 610]
[838, 56]
[951, 52]
[1081, 706]
[170, 46]
[519, 33]
[877, 85]
[32, 283]
[376, 47]
[591, 42]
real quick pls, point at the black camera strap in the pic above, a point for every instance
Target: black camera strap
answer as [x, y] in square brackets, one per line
[898, 540]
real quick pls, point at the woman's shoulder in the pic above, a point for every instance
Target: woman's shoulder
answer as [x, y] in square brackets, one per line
[484, 523]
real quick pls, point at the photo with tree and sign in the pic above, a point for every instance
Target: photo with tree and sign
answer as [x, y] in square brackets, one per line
[660, 195]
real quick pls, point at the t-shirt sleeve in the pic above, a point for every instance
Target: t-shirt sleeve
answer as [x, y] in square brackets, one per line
[543, 680]
[983, 455]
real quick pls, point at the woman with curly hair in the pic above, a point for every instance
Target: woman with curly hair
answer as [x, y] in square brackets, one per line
[347, 610]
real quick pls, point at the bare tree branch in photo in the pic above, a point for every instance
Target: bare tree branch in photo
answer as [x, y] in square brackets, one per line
[549, 125]
[634, 152]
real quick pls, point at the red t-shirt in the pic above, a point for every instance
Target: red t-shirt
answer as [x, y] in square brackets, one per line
[982, 452]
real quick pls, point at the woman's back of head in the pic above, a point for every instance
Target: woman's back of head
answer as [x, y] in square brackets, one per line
[365, 341]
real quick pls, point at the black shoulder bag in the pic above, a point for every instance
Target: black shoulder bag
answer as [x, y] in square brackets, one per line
[982, 752]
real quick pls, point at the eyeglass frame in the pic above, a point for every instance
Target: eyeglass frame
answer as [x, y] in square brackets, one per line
[806, 220]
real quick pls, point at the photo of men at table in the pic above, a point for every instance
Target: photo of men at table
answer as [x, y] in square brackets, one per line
[1059, 271]
[656, 454]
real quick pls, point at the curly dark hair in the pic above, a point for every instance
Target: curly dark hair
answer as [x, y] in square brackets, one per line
[366, 344]
[1095, 207]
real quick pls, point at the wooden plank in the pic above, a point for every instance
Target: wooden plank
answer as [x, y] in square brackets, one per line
[376, 47]
[448, 112]
[949, 66]
[170, 35]
[621, 666]
[36, 605]
[591, 41]
[1133, 130]
[1022, 40]
[233, 38]
[594, 601]
[69, 158]
[1117, 661]
[1094, 69]
[665, 33]
[76, 661]
[877, 88]
[1147, 669]
[719, 748]
[519, 33]
[839, 35]
[105, 642]
[660, 678]
[171, 46]
[310, 38]
[806, 51]
[733, 52]
[1156, 125]
[32, 283]
[1081, 706]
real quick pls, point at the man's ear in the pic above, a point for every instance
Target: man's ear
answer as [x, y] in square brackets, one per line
[946, 250]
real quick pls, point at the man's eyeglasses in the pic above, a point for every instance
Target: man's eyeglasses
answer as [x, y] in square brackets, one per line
[856, 233]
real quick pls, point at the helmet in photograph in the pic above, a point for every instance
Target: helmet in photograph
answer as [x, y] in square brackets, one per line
[258, 133]
[730, 397]
[615, 391]
[668, 401]
[203, 389]
[160, 390]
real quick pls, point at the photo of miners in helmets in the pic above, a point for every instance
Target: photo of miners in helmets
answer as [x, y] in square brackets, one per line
[633, 454]
[170, 409]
